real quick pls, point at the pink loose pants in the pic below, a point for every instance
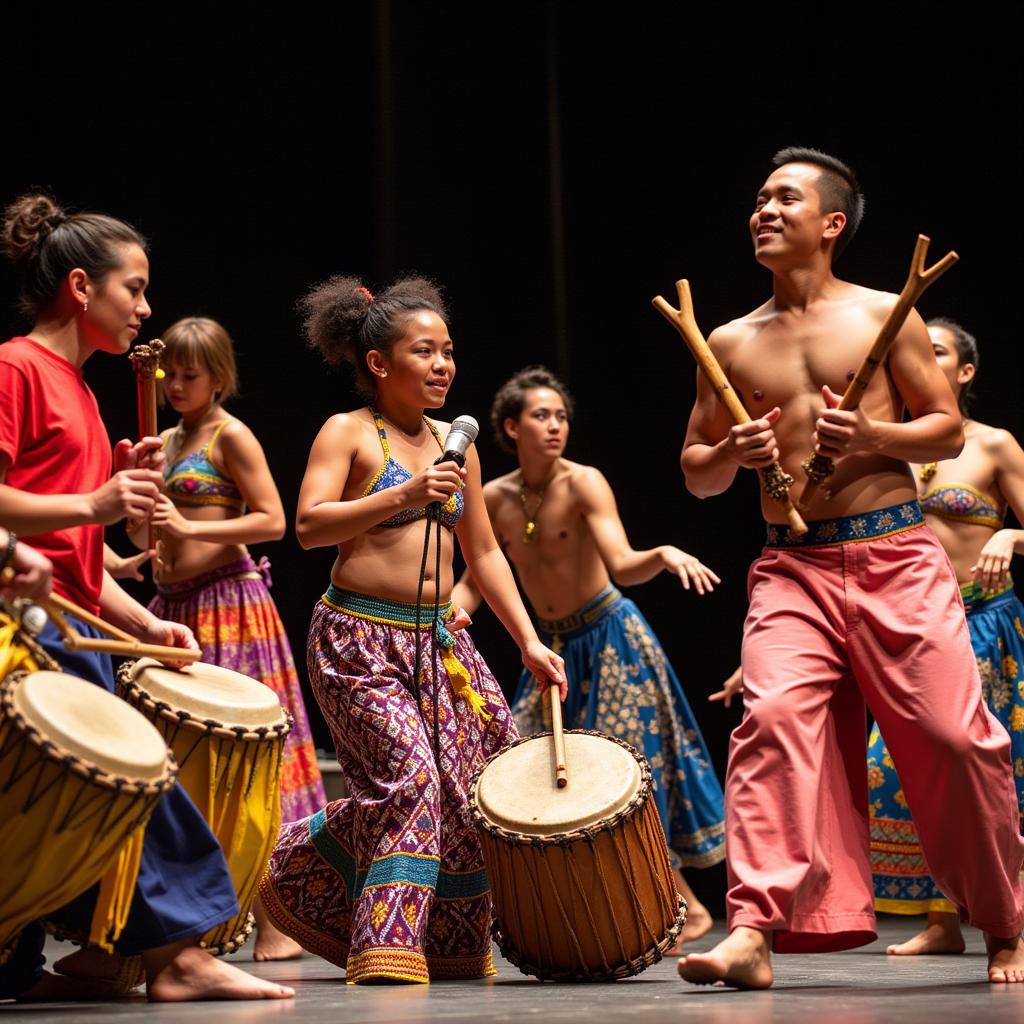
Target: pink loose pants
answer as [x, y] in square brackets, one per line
[829, 628]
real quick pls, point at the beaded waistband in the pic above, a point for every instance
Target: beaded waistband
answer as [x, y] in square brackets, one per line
[882, 522]
[975, 598]
[380, 609]
[403, 616]
[586, 616]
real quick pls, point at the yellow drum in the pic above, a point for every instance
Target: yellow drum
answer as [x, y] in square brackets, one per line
[80, 773]
[227, 732]
[580, 876]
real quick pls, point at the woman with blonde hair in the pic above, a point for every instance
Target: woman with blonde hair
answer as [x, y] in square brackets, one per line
[219, 496]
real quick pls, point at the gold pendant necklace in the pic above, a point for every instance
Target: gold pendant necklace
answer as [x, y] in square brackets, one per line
[530, 530]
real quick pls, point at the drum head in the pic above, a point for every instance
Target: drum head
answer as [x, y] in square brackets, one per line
[94, 725]
[209, 692]
[517, 790]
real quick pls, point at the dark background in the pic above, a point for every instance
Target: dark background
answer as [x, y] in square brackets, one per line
[554, 166]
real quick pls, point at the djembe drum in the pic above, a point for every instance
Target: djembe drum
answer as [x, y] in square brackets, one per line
[80, 773]
[227, 732]
[580, 875]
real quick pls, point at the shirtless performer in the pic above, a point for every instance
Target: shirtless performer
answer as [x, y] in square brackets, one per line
[558, 524]
[863, 608]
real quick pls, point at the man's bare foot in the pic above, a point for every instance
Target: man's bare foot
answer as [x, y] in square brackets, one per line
[941, 935]
[1005, 959]
[271, 942]
[181, 973]
[55, 988]
[123, 972]
[741, 960]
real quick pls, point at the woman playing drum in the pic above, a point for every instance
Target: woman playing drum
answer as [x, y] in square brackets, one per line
[964, 502]
[84, 283]
[390, 884]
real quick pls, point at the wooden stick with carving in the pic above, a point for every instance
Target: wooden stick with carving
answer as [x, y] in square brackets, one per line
[820, 467]
[775, 480]
[145, 360]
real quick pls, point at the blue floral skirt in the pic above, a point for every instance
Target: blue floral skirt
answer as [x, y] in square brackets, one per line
[621, 683]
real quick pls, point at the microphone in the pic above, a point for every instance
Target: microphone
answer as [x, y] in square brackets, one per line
[461, 435]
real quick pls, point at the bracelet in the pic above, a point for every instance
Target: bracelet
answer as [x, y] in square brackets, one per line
[8, 553]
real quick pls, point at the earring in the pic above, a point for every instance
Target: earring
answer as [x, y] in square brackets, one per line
[382, 374]
[85, 306]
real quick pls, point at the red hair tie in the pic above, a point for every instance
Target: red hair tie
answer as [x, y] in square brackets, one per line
[367, 293]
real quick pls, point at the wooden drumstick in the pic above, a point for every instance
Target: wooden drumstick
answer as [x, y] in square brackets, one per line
[145, 360]
[557, 736]
[122, 643]
[775, 480]
[820, 467]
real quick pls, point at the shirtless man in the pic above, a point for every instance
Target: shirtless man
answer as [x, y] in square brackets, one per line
[865, 607]
[559, 526]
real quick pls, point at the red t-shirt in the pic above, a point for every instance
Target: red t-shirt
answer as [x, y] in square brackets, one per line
[56, 443]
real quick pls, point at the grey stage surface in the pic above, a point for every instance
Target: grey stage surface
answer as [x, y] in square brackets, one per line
[859, 987]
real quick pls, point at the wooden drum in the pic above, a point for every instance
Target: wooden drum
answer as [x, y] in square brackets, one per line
[227, 732]
[580, 876]
[80, 773]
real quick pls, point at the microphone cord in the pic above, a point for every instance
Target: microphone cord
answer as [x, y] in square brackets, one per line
[432, 517]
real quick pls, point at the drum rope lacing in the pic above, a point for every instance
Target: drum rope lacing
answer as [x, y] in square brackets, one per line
[25, 740]
[171, 721]
[514, 845]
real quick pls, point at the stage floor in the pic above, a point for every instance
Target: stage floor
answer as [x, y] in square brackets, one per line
[863, 986]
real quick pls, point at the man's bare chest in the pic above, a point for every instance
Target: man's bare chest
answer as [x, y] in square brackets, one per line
[773, 366]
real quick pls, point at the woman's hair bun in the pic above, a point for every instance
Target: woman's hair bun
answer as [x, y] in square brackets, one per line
[27, 221]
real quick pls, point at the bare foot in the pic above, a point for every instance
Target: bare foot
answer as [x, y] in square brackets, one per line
[698, 924]
[698, 917]
[123, 972]
[941, 935]
[54, 988]
[271, 942]
[181, 973]
[1005, 959]
[741, 960]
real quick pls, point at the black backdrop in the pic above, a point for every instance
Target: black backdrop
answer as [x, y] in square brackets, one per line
[554, 166]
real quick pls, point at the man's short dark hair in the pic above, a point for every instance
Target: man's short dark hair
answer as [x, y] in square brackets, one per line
[837, 187]
[511, 399]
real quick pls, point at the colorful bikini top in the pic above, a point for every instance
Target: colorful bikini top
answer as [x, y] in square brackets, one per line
[960, 503]
[194, 480]
[392, 473]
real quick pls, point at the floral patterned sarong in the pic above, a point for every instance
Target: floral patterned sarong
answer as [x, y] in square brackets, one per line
[621, 683]
[902, 882]
[390, 883]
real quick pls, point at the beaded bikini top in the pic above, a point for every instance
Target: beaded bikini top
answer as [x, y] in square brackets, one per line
[960, 503]
[194, 480]
[392, 473]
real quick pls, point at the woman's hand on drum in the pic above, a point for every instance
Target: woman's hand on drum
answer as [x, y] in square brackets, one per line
[33, 574]
[170, 520]
[165, 633]
[688, 568]
[435, 483]
[546, 666]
